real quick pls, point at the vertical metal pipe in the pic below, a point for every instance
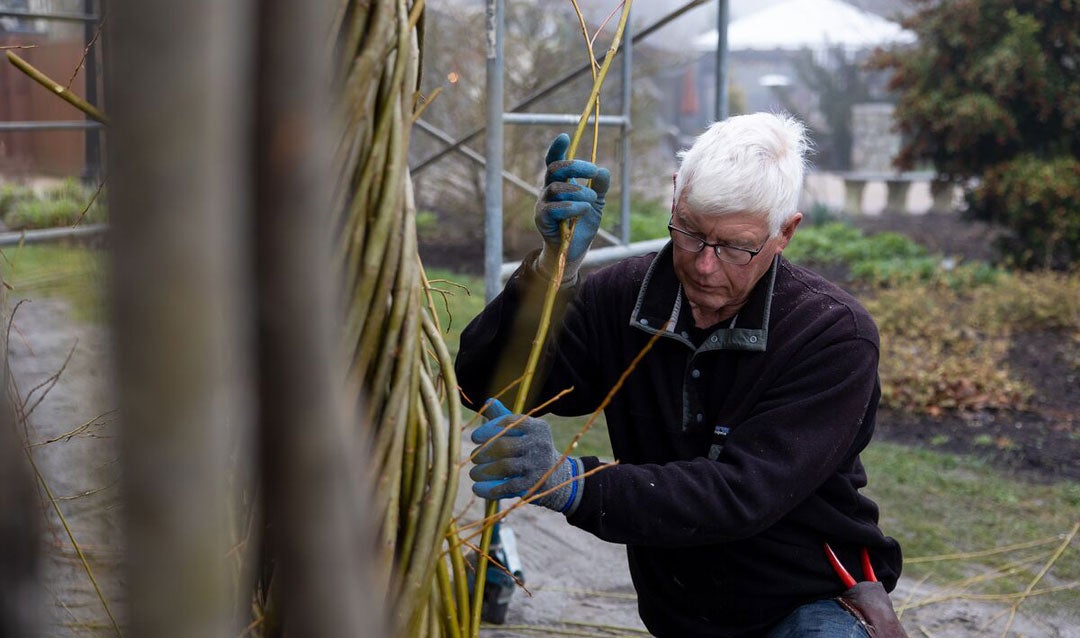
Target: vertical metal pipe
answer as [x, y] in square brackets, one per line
[493, 150]
[624, 155]
[92, 151]
[178, 197]
[722, 13]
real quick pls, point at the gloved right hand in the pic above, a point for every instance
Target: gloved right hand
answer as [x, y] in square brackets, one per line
[562, 199]
[515, 461]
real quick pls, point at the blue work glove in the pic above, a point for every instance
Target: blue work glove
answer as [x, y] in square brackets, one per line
[514, 462]
[563, 198]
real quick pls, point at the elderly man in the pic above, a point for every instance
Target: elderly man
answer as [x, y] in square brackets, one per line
[738, 434]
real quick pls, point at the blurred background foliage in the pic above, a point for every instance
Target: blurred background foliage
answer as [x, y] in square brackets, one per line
[990, 96]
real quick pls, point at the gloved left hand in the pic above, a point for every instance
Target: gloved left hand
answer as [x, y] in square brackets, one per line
[564, 199]
[511, 464]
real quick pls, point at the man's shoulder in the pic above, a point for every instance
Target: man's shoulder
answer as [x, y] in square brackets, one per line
[629, 273]
[810, 296]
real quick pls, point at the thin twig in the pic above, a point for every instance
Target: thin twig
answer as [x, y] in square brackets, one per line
[485, 523]
[86, 51]
[506, 428]
[626, 630]
[591, 593]
[1034, 581]
[87, 493]
[46, 386]
[596, 413]
[983, 553]
[67, 436]
[89, 204]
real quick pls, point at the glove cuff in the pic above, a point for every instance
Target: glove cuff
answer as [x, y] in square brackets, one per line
[566, 499]
[547, 261]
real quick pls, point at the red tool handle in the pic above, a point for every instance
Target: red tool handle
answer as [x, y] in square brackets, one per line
[867, 568]
[845, 576]
[848, 581]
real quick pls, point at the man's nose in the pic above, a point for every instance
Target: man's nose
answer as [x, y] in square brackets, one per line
[706, 261]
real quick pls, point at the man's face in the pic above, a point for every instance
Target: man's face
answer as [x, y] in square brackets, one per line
[717, 289]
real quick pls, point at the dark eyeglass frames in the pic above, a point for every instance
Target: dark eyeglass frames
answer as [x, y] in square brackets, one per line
[694, 244]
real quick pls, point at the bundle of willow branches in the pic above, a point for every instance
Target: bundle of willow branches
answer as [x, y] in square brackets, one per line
[390, 328]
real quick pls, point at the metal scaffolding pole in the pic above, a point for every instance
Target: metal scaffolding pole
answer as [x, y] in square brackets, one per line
[497, 118]
[493, 150]
[92, 154]
[722, 13]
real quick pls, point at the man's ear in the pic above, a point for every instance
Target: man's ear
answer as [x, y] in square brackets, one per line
[787, 231]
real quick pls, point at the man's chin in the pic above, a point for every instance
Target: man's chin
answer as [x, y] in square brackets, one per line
[704, 302]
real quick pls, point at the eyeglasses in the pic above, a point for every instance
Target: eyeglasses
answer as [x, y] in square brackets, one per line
[730, 254]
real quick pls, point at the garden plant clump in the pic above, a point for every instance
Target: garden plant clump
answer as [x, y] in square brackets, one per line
[66, 203]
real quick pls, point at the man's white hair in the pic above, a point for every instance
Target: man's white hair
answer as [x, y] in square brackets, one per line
[747, 163]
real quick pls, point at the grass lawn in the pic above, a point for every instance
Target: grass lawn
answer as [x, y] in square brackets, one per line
[76, 273]
[967, 528]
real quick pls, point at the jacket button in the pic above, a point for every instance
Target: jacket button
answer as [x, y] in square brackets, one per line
[643, 322]
[695, 373]
[753, 339]
[700, 417]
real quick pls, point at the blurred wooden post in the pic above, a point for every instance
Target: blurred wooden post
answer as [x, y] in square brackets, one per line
[20, 512]
[313, 460]
[178, 94]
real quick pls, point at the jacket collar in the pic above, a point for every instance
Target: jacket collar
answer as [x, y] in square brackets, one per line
[660, 308]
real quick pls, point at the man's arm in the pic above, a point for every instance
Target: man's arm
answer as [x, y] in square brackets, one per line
[803, 431]
[495, 346]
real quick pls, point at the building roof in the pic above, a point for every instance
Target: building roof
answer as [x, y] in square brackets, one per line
[797, 24]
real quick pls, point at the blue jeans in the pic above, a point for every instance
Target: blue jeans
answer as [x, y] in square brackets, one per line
[823, 619]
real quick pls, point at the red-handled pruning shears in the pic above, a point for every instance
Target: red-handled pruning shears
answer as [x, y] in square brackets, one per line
[843, 573]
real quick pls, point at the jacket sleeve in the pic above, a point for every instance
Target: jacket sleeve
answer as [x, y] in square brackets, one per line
[494, 348]
[806, 425]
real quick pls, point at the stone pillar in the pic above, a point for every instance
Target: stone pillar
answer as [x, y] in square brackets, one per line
[853, 194]
[896, 191]
[943, 193]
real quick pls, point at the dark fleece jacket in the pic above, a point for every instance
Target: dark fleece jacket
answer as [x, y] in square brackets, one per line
[725, 546]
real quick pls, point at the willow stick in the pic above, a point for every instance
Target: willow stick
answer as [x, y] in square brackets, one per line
[567, 231]
[461, 585]
[451, 623]
[528, 497]
[47, 82]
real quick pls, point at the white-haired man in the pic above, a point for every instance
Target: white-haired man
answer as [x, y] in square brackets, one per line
[738, 435]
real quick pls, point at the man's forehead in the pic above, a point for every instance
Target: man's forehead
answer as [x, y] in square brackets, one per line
[713, 220]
